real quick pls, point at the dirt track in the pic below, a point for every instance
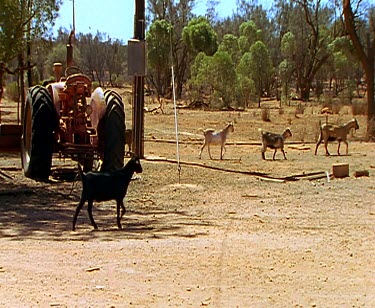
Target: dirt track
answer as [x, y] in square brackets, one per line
[217, 239]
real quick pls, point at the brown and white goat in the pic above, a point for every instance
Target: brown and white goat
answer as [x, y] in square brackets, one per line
[216, 137]
[330, 132]
[274, 141]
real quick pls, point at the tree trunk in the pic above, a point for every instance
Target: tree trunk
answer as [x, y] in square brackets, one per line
[21, 82]
[305, 90]
[367, 61]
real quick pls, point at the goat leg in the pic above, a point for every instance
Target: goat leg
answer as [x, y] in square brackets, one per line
[200, 152]
[209, 152]
[224, 151]
[318, 142]
[123, 210]
[274, 154]
[317, 145]
[78, 209]
[89, 210]
[282, 150]
[326, 147]
[119, 204]
[347, 146]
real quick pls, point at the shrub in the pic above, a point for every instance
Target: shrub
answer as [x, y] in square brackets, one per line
[265, 114]
[95, 84]
[336, 107]
[300, 109]
[12, 92]
[359, 108]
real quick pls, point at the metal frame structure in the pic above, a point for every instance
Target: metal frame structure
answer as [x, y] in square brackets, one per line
[138, 85]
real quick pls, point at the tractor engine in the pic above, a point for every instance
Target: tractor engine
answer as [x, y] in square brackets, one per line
[74, 111]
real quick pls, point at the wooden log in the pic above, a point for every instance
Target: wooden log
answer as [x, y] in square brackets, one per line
[361, 173]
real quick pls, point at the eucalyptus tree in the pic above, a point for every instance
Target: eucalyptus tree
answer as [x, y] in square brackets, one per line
[231, 45]
[364, 49]
[345, 67]
[214, 75]
[223, 76]
[262, 68]
[116, 61]
[199, 36]
[246, 86]
[159, 55]
[21, 23]
[93, 53]
[312, 43]
[178, 13]
[310, 21]
[199, 82]
[48, 52]
[287, 66]
[249, 34]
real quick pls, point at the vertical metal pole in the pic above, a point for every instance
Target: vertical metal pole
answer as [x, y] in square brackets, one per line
[138, 88]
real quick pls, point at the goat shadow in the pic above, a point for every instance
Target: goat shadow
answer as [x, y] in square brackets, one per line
[225, 159]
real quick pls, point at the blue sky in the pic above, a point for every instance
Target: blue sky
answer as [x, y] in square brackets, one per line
[115, 17]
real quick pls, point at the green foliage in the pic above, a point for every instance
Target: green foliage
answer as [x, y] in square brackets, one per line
[158, 54]
[288, 45]
[21, 19]
[244, 65]
[11, 35]
[12, 91]
[199, 36]
[215, 74]
[56, 55]
[257, 65]
[286, 69]
[118, 80]
[223, 76]
[158, 44]
[94, 85]
[230, 44]
[249, 34]
[245, 91]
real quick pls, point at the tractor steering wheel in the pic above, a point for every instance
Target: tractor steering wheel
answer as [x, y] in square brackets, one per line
[71, 70]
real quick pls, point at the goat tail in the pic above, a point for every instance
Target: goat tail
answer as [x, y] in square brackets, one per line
[80, 171]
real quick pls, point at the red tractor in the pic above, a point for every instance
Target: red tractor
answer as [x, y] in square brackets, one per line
[67, 118]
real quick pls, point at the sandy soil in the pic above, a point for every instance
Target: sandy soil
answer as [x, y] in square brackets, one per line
[199, 237]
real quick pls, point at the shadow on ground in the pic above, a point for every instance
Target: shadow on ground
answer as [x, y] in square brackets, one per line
[44, 211]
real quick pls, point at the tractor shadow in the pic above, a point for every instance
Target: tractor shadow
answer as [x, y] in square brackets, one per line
[44, 211]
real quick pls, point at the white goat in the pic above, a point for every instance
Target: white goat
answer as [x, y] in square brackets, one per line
[329, 132]
[216, 137]
[274, 141]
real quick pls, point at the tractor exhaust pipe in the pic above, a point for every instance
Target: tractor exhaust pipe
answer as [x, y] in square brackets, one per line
[57, 69]
[69, 50]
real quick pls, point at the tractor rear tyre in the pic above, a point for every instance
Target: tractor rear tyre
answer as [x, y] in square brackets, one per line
[39, 121]
[113, 132]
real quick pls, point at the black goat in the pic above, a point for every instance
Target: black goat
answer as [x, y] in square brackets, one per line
[105, 186]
